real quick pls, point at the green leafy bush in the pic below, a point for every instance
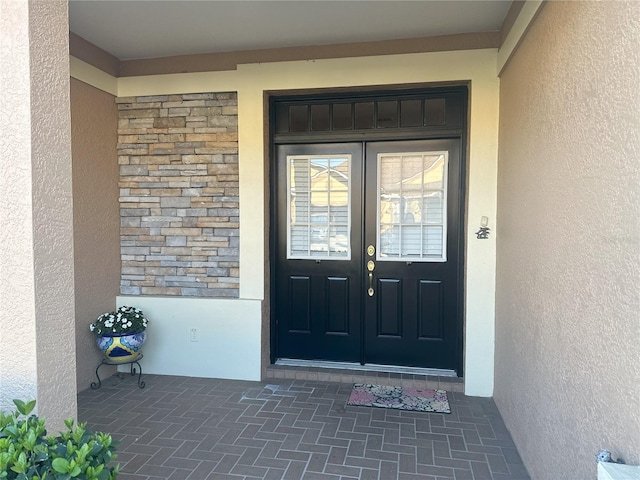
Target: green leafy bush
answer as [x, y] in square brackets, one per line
[26, 453]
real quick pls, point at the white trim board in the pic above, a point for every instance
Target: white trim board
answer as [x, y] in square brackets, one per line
[93, 76]
[517, 32]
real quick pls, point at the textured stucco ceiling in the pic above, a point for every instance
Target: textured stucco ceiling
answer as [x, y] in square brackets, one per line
[148, 29]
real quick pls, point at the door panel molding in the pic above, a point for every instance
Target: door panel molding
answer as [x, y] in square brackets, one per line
[389, 303]
[430, 310]
[337, 306]
[300, 304]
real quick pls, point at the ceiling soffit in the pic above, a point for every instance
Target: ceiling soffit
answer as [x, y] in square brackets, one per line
[93, 54]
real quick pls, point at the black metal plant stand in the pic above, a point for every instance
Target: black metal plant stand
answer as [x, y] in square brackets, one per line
[95, 386]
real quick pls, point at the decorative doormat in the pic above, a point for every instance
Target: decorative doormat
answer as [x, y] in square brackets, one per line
[418, 400]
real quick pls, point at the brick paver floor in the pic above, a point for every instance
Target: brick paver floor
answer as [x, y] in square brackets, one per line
[197, 428]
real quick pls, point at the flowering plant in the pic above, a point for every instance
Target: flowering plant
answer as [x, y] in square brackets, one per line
[124, 320]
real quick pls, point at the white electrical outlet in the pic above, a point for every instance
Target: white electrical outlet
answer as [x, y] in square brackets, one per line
[193, 334]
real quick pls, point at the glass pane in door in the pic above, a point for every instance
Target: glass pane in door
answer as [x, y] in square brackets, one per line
[318, 206]
[412, 207]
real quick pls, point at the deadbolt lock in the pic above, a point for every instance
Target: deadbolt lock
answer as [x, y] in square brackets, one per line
[371, 250]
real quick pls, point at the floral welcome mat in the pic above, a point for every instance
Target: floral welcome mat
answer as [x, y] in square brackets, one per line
[425, 400]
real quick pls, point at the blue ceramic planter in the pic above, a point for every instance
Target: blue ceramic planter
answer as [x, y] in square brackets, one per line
[118, 348]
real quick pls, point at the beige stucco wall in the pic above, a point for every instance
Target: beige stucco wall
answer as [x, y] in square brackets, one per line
[36, 238]
[18, 372]
[567, 376]
[96, 219]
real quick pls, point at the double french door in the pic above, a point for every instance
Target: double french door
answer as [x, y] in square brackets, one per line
[368, 252]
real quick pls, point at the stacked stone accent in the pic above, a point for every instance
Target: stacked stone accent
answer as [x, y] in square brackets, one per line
[178, 157]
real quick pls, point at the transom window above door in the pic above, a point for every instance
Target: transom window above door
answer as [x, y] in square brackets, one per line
[412, 206]
[318, 207]
[396, 111]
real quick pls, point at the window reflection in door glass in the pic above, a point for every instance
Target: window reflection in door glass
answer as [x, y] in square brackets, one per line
[412, 206]
[319, 203]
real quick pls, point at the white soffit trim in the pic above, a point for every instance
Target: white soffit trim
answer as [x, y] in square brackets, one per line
[517, 32]
[93, 76]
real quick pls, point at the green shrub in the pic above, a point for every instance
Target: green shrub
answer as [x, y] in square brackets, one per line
[26, 453]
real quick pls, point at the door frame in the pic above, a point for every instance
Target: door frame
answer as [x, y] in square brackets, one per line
[271, 98]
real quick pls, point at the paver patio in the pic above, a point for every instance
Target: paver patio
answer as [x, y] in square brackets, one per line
[198, 428]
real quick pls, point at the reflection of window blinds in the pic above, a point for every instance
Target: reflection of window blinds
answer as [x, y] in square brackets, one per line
[318, 207]
[299, 207]
[412, 206]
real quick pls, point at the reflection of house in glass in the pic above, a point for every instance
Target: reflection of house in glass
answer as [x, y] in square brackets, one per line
[319, 220]
[412, 205]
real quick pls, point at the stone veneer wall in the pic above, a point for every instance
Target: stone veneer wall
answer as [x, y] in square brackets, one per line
[178, 157]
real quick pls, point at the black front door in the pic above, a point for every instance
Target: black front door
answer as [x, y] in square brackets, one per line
[319, 265]
[412, 222]
[368, 252]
